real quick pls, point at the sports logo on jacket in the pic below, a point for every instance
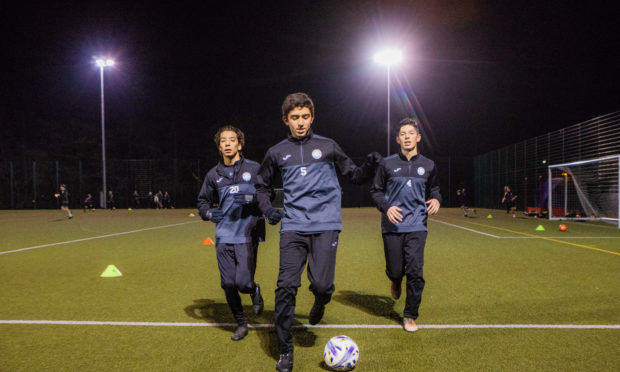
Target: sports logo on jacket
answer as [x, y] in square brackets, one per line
[316, 153]
[286, 157]
[396, 170]
[246, 176]
[421, 171]
[219, 179]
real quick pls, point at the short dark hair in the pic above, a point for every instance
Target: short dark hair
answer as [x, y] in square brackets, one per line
[409, 121]
[297, 100]
[229, 128]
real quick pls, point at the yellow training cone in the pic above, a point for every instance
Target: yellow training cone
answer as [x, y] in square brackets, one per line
[111, 271]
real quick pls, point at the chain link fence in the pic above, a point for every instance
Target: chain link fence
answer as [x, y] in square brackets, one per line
[523, 166]
[30, 184]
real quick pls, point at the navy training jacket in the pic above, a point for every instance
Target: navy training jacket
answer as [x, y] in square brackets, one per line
[312, 194]
[241, 223]
[407, 184]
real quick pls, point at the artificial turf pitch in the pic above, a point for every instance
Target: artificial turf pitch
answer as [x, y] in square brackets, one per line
[168, 312]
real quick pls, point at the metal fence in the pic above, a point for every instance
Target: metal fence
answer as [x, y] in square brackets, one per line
[28, 184]
[523, 166]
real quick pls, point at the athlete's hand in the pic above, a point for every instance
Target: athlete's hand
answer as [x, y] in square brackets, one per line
[243, 199]
[214, 215]
[374, 158]
[433, 206]
[393, 214]
[274, 215]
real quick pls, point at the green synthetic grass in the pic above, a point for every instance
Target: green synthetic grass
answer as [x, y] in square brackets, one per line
[569, 277]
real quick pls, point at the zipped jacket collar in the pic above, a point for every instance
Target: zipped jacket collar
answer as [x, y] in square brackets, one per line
[221, 168]
[301, 140]
[404, 158]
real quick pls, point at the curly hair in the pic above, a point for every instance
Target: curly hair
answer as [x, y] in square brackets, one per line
[229, 128]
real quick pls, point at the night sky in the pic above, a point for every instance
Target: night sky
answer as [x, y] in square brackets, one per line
[479, 74]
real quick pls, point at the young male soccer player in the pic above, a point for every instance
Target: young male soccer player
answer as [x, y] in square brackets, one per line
[406, 191]
[463, 202]
[89, 203]
[228, 199]
[311, 218]
[509, 200]
[63, 196]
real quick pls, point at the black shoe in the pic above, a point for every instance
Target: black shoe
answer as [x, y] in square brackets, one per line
[240, 333]
[285, 364]
[316, 313]
[257, 301]
[395, 289]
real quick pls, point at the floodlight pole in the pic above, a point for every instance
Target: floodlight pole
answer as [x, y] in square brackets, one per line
[388, 111]
[388, 58]
[103, 199]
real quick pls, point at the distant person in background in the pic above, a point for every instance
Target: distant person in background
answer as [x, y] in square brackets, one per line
[228, 199]
[150, 200]
[462, 200]
[135, 199]
[89, 203]
[167, 203]
[406, 191]
[159, 200]
[110, 201]
[156, 201]
[509, 200]
[63, 197]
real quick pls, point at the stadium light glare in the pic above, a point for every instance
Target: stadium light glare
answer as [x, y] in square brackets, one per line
[102, 62]
[388, 58]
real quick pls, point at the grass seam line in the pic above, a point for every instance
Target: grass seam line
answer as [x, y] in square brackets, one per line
[325, 326]
[95, 237]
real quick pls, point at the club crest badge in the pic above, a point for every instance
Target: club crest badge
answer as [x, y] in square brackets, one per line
[246, 176]
[316, 153]
[421, 171]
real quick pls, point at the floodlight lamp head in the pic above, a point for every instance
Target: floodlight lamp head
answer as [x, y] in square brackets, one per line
[104, 62]
[388, 57]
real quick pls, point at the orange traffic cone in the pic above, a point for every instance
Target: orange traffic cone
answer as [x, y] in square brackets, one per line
[208, 241]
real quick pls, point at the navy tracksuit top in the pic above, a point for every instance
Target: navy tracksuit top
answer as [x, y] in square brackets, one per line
[241, 223]
[407, 184]
[312, 194]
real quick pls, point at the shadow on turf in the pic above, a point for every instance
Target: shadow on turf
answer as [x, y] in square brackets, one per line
[382, 306]
[214, 312]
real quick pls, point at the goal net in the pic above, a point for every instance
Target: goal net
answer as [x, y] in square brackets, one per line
[585, 190]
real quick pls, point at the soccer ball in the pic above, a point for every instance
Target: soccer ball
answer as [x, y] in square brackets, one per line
[341, 353]
[562, 227]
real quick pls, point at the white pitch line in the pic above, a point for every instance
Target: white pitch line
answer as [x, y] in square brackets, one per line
[560, 237]
[465, 228]
[95, 237]
[338, 326]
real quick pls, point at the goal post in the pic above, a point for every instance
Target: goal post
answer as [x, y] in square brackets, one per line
[585, 190]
